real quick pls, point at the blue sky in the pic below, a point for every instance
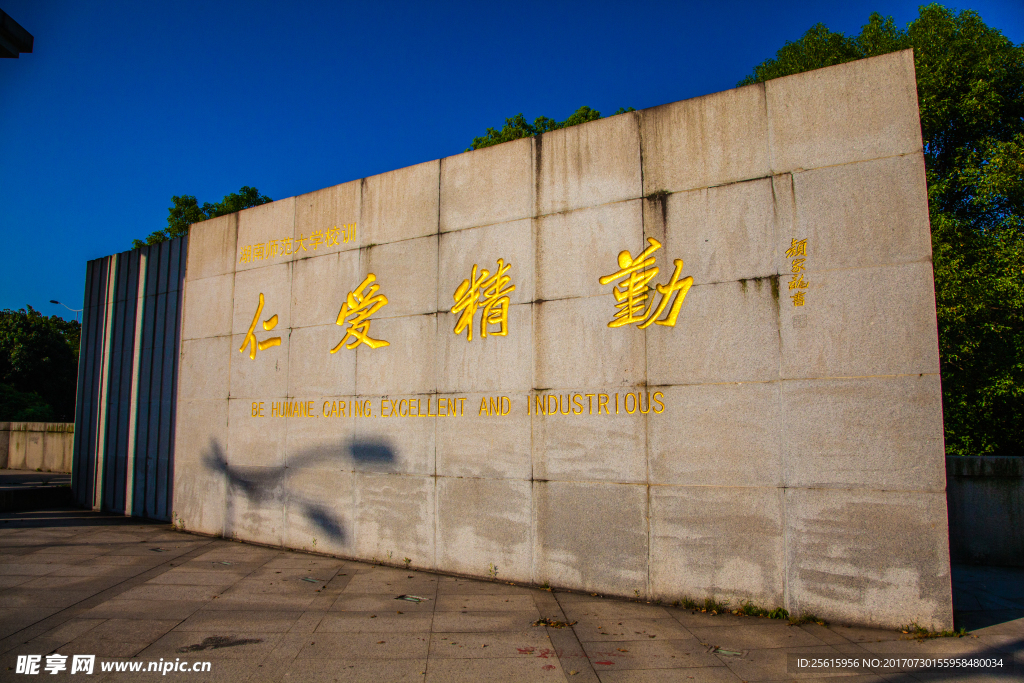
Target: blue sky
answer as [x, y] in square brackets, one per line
[124, 104]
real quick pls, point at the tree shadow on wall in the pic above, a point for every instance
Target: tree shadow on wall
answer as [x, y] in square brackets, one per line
[265, 486]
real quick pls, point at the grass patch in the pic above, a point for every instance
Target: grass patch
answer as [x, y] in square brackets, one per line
[751, 610]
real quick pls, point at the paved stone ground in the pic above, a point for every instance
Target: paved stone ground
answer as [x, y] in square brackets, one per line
[77, 582]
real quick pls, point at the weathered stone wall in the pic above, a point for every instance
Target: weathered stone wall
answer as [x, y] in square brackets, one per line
[45, 446]
[797, 458]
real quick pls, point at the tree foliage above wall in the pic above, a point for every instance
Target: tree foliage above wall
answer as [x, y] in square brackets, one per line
[186, 211]
[970, 85]
[518, 127]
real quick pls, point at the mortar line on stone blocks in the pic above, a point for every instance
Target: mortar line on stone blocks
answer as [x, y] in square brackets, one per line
[768, 137]
[647, 371]
[437, 294]
[780, 434]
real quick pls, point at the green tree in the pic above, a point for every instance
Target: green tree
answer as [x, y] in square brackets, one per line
[518, 127]
[186, 211]
[970, 85]
[38, 366]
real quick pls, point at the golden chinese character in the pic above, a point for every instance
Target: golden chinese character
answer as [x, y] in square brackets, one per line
[798, 282]
[246, 255]
[257, 252]
[633, 293]
[331, 237]
[495, 290]
[798, 298]
[798, 265]
[797, 248]
[250, 338]
[316, 238]
[271, 248]
[286, 246]
[361, 304]
[301, 242]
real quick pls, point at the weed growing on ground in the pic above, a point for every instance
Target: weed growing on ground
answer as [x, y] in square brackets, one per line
[751, 610]
[921, 633]
[709, 606]
[408, 561]
[492, 570]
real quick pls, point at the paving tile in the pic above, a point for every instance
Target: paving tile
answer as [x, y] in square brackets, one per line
[105, 647]
[770, 665]
[299, 561]
[690, 675]
[95, 570]
[456, 622]
[490, 645]
[390, 645]
[13, 619]
[91, 584]
[481, 603]
[938, 646]
[503, 670]
[583, 608]
[22, 596]
[603, 630]
[648, 654]
[244, 620]
[142, 609]
[260, 601]
[15, 580]
[157, 591]
[369, 602]
[71, 629]
[133, 629]
[373, 622]
[197, 578]
[29, 568]
[469, 587]
[355, 671]
[860, 634]
[755, 636]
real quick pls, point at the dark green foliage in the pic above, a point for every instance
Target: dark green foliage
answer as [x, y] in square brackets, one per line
[38, 366]
[518, 127]
[970, 87]
[186, 211]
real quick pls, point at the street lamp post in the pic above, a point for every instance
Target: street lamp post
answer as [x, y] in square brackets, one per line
[76, 311]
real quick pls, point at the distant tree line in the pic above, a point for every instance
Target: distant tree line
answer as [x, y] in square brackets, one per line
[38, 366]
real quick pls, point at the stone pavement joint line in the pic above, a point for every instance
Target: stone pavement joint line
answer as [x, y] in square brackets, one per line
[128, 590]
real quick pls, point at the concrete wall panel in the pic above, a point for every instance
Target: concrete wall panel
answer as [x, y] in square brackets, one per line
[869, 557]
[719, 542]
[851, 112]
[706, 141]
[487, 186]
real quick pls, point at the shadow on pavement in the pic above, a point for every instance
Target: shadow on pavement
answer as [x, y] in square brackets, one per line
[987, 596]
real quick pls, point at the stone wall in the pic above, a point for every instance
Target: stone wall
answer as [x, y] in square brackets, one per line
[787, 448]
[45, 446]
[986, 510]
